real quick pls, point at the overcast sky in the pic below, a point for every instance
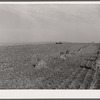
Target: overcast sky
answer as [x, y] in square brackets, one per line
[49, 22]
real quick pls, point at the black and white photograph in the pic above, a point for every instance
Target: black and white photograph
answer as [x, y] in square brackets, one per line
[49, 46]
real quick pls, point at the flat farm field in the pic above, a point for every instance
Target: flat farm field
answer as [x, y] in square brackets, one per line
[49, 66]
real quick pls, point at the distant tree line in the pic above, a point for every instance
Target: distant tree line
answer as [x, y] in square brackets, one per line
[58, 42]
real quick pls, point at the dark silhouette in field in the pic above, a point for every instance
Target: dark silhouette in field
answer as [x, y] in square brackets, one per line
[67, 51]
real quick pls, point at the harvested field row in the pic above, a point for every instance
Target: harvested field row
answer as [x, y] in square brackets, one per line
[82, 77]
[87, 80]
[78, 80]
[96, 81]
[89, 62]
[68, 81]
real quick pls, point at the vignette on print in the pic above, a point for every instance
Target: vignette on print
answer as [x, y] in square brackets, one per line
[48, 49]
